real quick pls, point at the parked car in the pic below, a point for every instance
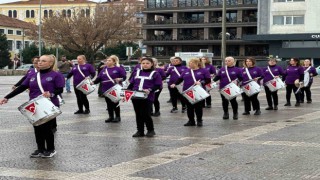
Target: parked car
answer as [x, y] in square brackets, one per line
[25, 67]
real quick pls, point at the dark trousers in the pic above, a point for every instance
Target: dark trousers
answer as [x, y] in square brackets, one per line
[112, 108]
[195, 108]
[156, 102]
[82, 100]
[289, 89]
[175, 95]
[44, 136]
[225, 104]
[142, 108]
[208, 100]
[271, 96]
[252, 100]
[307, 91]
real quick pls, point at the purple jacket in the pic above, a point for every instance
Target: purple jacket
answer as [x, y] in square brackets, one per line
[87, 70]
[174, 76]
[255, 72]
[162, 74]
[211, 69]
[276, 71]
[199, 74]
[234, 73]
[292, 73]
[114, 72]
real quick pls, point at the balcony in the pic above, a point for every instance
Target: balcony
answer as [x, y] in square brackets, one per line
[190, 21]
[160, 21]
[166, 37]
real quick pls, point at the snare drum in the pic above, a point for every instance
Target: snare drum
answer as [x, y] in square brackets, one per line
[195, 94]
[230, 91]
[85, 86]
[275, 84]
[251, 88]
[39, 110]
[211, 86]
[114, 93]
[139, 95]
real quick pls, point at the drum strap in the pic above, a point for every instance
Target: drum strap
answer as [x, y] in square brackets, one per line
[176, 70]
[80, 71]
[248, 74]
[109, 76]
[192, 74]
[270, 71]
[142, 78]
[39, 82]
[228, 74]
[307, 69]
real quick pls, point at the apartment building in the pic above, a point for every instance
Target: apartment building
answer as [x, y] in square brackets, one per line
[290, 27]
[190, 25]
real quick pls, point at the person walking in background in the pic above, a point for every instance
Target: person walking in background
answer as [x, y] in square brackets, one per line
[310, 71]
[156, 102]
[213, 72]
[294, 73]
[64, 67]
[79, 73]
[166, 67]
[271, 72]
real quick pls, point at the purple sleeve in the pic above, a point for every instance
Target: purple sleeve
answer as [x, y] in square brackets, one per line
[59, 81]
[132, 79]
[26, 81]
[92, 71]
[313, 71]
[162, 73]
[158, 79]
[169, 71]
[123, 73]
[207, 74]
[214, 71]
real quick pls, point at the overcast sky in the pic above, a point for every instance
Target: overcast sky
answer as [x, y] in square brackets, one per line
[6, 1]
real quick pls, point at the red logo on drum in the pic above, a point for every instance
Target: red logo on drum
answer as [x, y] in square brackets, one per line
[247, 87]
[227, 91]
[190, 94]
[85, 87]
[31, 108]
[113, 93]
[127, 95]
[274, 84]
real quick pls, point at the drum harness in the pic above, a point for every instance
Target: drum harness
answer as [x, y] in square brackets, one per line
[61, 100]
[142, 78]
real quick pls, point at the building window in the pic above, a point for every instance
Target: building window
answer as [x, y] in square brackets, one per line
[300, 44]
[69, 13]
[32, 13]
[190, 3]
[27, 14]
[216, 2]
[160, 3]
[10, 31]
[10, 13]
[88, 12]
[19, 45]
[45, 13]
[64, 13]
[232, 2]
[15, 14]
[139, 20]
[82, 12]
[50, 13]
[10, 45]
[26, 44]
[1, 31]
[250, 2]
[288, 0]
[19, 32]
[288, 20]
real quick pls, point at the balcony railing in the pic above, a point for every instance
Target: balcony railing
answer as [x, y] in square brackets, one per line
[190, 21]
[185, 37]
[164, 21]
[166, 37]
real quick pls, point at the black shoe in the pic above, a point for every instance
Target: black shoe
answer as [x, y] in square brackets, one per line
[116, 120]
[275, 108]
[208, 106]
[269, 108]
[297, 104]
[150, 134]
[152, 114]
[199, 123]
[174, 110]
[87, 111]
[138, 134]
[48, 154]
[78, 112]
[54, 130]
[36, 154]
[258, 112]
[235, 116]
[109, 120]
[156, 114]
[225, 116]
[287, 104]
[183, 109]
[246, 113]
[189, 123]
[309, 102]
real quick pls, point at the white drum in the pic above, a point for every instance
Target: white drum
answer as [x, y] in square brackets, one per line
[306, 79]
[230, 91]
[86, 87]
[195, 94]
[251, 88]
[114, 93]
[275, 84]
[139, 95]
[211, 86]
[39, 110]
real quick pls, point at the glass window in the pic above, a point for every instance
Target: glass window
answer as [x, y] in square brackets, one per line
[250, 2]
[10, 31]
[26, 44]
[32, 13]
[10, 44]
[64, 13]
[18, 32]
[278, 20]
[27, 14]
[69, 13]
[87, 12]
[45, 13]
[10, 13]
[15, 14]
[288, 20]
[19, 45]
[1, 31]
[50, 13]
[298, 20]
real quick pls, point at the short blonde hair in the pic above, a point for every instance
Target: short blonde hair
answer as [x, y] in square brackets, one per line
[83, 57]
[115, 59]
[197, 61]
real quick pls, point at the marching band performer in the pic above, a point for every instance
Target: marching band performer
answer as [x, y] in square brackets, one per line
[234, 74]
[272, 71]
[212, 70]
[194, 76]
[110, 75]
[53, 83]
[293, 72]
[166, 67]
[31, 71]
[156, 102]
[148, 81]
[251, 73]
[175, 72]
[307, 66]
[79, 73]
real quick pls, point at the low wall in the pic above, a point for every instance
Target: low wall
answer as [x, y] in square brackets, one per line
[11, 72]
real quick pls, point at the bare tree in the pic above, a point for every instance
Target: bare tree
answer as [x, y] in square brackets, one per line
[83, 34]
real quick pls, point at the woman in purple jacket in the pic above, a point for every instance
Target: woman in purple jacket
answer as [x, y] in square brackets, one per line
[307, 66]
[213, 72]
[86, 70]
[293, 72]
[156, 102]
[148, 80]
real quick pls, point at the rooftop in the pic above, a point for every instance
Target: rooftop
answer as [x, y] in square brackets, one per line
[30, 2]
[15, 23]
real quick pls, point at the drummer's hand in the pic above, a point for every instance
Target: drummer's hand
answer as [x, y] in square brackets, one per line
[172, 85]
[311, 74]
[118, 80]
[147, 91]
[3, 101]
[46, 94]
[14, 87]
[197, 83]
[276, 76]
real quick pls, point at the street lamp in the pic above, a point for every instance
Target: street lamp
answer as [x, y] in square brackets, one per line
[40, 29]
[223, 38]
